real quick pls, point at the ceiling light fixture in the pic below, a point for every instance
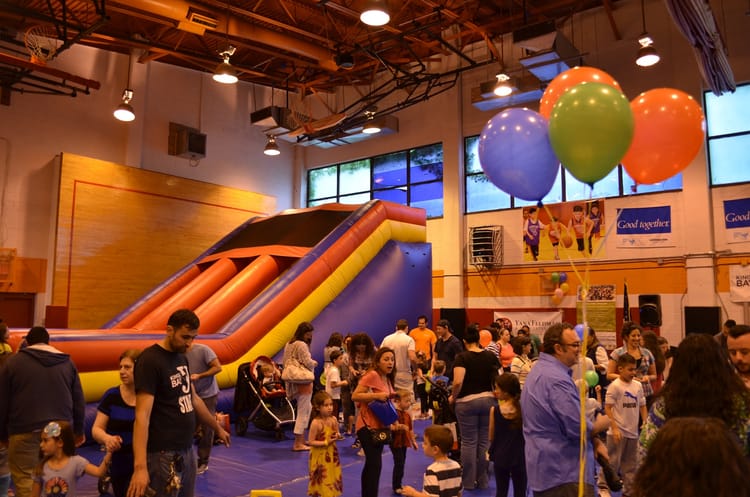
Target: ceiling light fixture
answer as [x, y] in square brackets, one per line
[647, 54]
[225, 72]
[375, 13]
[271, 147]
[371, 126]
[504, 85]
[124, 112]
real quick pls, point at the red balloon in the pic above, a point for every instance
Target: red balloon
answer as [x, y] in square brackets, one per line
[485, 337]
[669, 129]
[567, 80]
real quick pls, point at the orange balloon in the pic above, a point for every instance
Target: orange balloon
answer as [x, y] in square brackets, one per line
[485, 337]
[567, 80]
[669, 132]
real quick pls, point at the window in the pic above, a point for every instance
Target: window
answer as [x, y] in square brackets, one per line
[410, 177]
[728, 134]
[482, 195]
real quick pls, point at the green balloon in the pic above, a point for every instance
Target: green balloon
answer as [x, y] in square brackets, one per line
[590, 128]
[591, 378]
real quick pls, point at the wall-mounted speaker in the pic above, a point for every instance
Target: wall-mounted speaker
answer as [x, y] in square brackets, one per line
[649, 307]
[702, 320]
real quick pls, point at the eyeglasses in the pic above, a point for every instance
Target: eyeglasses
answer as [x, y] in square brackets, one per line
[575, 345]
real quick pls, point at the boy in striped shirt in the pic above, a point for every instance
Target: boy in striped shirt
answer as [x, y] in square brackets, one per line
[443, 477]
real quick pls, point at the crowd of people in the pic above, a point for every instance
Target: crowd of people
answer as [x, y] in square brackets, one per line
[510, 406]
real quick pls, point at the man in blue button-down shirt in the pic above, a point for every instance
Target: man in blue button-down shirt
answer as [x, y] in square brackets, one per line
[552, 419]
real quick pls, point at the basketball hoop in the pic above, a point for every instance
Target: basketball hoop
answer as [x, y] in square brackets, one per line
[41, 42]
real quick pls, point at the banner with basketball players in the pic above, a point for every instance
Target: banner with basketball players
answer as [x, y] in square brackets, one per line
[563, 231]
[645, 227]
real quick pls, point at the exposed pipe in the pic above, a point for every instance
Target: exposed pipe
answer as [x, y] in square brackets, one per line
[177, 10]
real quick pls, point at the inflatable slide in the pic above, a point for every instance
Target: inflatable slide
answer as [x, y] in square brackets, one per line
[345, 268]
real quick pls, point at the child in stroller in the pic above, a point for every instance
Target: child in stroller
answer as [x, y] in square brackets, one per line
[270, 380]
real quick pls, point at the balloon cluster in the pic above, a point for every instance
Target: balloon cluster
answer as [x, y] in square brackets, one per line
[561, 281]
[586, 123]
[590, 377]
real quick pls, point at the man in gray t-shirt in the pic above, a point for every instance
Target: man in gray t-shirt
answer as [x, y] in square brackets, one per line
[204, 366]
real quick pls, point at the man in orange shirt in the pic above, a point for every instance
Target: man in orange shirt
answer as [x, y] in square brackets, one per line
[424, 341]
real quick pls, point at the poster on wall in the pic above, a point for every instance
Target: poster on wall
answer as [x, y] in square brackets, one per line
[737, 220]
[645, 227]
[538, 322]
[599, 305]
[567, 230]
[739, 283]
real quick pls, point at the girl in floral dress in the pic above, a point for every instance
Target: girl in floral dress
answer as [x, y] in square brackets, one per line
[325, 465]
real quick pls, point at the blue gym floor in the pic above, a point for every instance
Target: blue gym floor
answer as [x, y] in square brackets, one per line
[258, 461]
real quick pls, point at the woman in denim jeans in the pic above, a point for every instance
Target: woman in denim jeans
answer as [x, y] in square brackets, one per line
[473, 372]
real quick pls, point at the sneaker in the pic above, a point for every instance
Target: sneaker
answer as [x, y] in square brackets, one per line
[202, 468]
[361, 452]
[610, 475]
[398, 491]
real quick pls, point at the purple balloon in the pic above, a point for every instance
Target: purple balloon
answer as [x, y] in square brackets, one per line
[563, 276]
[579, 331]
[516, 155]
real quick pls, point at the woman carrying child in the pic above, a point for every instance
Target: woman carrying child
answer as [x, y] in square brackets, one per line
[506, 437]
[325, 465]
[60, 469]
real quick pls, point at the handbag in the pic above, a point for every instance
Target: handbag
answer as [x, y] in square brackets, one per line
[381, 436]
[294, 372]
[384, 410]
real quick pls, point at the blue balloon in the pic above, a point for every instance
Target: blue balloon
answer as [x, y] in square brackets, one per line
[563, 276]
[579, 331]
[516, 154]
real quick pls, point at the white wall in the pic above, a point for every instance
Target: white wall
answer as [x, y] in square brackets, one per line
[36, 128]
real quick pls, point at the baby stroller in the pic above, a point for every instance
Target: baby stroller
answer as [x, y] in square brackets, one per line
[261, 398]
[442, 412]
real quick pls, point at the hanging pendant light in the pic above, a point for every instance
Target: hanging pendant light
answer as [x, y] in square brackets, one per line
[271, 147]
[124, 112]
[225, 72]
[647, 54]
[375, 13]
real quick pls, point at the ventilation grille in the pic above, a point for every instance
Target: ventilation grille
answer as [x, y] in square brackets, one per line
[486, 247]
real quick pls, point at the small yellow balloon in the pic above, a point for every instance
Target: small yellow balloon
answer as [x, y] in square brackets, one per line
[565, 287]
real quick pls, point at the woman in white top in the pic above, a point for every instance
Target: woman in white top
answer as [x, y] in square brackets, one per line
[521, 364]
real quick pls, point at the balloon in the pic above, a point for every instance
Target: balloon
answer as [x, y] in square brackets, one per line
[563, 276]
[579, 330]
[591, 128]
[556, 300]
[566, 240]
[591, 378]
[669, 129]
[558, 293]
[555, 277]
[516, 155]
[567, 80]
[565, 287]
[485, 337]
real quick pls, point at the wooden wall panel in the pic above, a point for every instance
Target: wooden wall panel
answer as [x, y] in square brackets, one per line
[122, 230]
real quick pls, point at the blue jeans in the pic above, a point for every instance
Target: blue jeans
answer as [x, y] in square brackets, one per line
[474, 424]
[160, 465]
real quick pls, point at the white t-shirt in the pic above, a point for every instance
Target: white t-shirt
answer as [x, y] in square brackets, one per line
[401, 343]
[626, 400]
[333, 374]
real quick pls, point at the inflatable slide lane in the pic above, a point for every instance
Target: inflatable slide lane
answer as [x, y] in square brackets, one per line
[345, 268]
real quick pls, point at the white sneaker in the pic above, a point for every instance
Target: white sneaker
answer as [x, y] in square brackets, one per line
[201, 469]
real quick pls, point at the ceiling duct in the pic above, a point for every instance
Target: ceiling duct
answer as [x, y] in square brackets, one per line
[195, 19]
[548, 52]
[274, 119]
